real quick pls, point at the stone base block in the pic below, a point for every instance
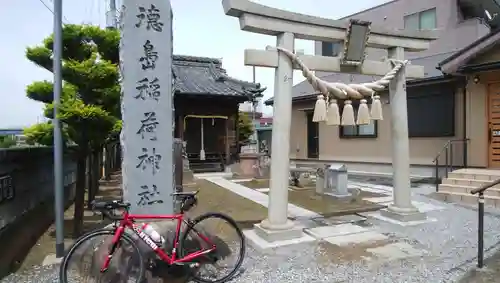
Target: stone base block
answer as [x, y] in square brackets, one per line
[264, 239]
[248, 163]
[403, 215]
[338, 195]
[278, 235]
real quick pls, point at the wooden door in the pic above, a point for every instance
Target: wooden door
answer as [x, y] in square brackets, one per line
[494, 125]
[312, 137]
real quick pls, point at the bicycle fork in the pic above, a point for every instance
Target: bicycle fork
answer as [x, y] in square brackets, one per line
[114, 245]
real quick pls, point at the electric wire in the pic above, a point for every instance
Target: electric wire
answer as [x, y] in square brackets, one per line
[65, 20]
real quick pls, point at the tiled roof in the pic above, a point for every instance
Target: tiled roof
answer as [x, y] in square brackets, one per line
[477, 47]
[304, 88]
[202, 75]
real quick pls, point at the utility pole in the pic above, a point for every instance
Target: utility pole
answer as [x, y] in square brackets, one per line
[58, 147]
[111, 17]
[254, 104]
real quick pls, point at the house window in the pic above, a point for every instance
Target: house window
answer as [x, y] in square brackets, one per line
[358, 131]
[422, 20]
[431, 112]
[331, 49]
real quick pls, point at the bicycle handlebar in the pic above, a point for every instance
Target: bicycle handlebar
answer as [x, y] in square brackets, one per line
[106, 207]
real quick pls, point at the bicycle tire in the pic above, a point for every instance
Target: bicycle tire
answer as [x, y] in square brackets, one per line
[105, 231]
[234, 225]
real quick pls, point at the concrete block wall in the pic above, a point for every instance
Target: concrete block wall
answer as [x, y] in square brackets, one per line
[28, 176]
[27, 200]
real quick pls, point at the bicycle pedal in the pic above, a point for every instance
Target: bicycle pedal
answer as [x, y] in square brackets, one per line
[151, 264]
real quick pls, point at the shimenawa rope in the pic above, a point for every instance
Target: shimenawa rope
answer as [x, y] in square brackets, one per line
[330, 92]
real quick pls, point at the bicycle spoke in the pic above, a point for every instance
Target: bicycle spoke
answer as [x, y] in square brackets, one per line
[86, 260]
[223, 263]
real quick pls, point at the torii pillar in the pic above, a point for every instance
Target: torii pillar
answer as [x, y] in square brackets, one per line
[401, 209]
[280, 147]
[287, 27]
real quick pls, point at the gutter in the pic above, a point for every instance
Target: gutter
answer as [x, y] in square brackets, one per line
[464, 124]
[467, 69]
[430, 80]
[307, 97]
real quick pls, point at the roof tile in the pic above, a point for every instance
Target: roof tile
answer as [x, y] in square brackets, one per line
[203, 75]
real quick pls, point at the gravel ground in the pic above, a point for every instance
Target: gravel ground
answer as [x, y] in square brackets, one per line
[451, 244]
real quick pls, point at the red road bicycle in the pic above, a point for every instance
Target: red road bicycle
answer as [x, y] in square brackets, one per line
[179, 255]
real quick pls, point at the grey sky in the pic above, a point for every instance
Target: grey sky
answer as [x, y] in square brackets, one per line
[200, 29]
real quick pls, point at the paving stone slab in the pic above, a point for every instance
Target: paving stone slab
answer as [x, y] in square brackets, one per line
[395, 251]
[262, 245]
[426, 207]
[377, 215]
[343, 219]
[337, 230]
[357, 238]
[387, 199]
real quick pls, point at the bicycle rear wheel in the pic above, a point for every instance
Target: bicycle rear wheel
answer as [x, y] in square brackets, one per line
[224, 240]
[89, 252]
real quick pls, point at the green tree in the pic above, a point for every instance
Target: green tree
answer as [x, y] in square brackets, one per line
[90, 100]
[245, 127]
[40, 134]
[7, 141]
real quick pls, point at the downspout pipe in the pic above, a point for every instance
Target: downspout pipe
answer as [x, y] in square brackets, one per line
[464, 123]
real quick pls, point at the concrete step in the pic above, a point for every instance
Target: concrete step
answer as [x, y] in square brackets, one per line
[479, 175]
[206, 167]
[467, 182]
[452, 188]
[459, 184]
[468, 199]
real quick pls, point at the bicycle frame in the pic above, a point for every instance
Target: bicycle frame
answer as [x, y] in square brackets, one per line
[128, 221]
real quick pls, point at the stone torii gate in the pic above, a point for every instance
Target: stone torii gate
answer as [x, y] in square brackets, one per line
[287, 27]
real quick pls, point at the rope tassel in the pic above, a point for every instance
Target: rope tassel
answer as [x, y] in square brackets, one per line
[333, 114]
[202, 150]
[348, 114]
[345, 91]
[376, 111]
[363, 113]
[320, 109]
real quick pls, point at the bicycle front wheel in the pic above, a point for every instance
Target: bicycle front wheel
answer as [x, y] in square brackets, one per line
[85, 258]
[223, 263]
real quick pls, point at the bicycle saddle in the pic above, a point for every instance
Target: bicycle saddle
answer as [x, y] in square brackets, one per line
[109, 205]
[185, 194]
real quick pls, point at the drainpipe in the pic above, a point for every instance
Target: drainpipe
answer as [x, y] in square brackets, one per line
[464, 119]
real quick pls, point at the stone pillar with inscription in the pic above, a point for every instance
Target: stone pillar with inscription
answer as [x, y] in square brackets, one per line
[147, 105]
